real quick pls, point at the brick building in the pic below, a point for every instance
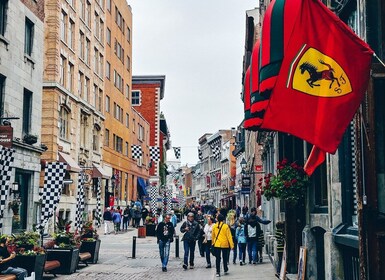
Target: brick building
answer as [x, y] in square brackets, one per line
[21, 67]
[73, 94]
[124, 126]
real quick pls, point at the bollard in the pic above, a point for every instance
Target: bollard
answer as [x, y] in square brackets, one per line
[177, 246]
[133, 247]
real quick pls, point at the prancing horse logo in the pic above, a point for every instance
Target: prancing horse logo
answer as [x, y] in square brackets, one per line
[316, 75]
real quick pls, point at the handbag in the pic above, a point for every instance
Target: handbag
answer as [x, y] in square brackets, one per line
[212, 248]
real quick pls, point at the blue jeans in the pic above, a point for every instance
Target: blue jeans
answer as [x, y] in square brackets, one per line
[164, 250]
[188, 246]
[252, 249]
[242, 251]
[20, 273]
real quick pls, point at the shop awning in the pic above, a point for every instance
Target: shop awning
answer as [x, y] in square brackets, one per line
[98, 171]
[142, 187]
[71, 163]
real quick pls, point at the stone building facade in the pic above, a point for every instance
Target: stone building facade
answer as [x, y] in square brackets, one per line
[21, 67]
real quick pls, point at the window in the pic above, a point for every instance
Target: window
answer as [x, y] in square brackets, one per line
[88, 13]
[28, 44]
[71, 34]
[126, 149]
[3, 16]
[81, 84]
[63, 70]
[63, 26]
[95, 139]
[96, 61]
[107, 138]
[108, 36]
[82, 9]
[119, 51]
[127, 120]
[87, 89]
[95, 91]
[96, 26]
[128, 34]
[100, 101]
[2, 94]
[127, 91]
[141, 133]
[101, 31]
[107, 106]
[81, 45]
[71, 2]
[83, 130]
[128, 63]
[27, 111]
[101, 64]
[70, 77]
[118, 144]
[109, 5]
[88, 51]
[63, 123]
[118, 81]
[108, 70]
[135, 97]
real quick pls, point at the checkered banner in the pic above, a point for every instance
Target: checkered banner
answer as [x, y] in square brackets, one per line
[217, 152]
[154, 194]
[98, 212]
[177, 152]
[154, 153]
[136, 151]
[181, 200]
[169, 200]
[53, 184]
[6, 161]
[80, 203]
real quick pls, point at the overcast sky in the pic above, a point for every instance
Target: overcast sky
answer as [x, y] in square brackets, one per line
[198, 45]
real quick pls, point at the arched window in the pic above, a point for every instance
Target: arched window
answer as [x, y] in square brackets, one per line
[63, 122]
[95, 138]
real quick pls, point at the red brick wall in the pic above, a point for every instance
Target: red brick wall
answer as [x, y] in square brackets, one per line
[36, 7]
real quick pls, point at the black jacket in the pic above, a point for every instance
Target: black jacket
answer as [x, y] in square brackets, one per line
[193, 233]
[165, 231]
[253, 221]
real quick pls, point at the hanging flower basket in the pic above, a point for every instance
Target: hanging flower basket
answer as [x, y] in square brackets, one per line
[289, 184]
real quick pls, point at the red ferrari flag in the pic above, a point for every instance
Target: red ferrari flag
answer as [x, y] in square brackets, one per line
[322, 80]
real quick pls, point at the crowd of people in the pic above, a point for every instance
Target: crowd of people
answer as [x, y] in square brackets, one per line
[216, 232]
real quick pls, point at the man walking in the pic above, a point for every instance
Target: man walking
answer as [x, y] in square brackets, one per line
[191, 231]
[107, 217]
[164, 234]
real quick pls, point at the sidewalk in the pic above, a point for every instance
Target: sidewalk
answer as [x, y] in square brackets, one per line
[116, 262]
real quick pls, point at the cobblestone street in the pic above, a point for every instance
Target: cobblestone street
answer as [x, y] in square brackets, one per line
[116, 262]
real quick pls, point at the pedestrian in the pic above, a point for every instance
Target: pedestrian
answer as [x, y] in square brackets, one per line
[107, 217]
[241, 240]
[245, 209]
[252, 229]
[144, 214]
[261, 244]
[174, 219]
[222, 241]
[191, 231]
[117, 219]
[165, 235]
[280, 239]
[200, 219]
[208, 229]
[126, 218]
[120, 211]
[137, 216]
[7, 261]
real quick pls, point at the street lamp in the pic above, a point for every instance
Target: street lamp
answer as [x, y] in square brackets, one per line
[243, 164]
[15, 190]
[113, 180]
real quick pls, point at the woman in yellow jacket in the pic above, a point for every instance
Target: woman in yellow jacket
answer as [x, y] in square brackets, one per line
[222, 241]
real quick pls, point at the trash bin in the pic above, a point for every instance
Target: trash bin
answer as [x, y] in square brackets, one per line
[141, 232]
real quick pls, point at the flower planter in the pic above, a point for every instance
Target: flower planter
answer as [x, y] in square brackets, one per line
[150, 230]
[30, 139]
[91, 247]
[68, 259]
[31, 264]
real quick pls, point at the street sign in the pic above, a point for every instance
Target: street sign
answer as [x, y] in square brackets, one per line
[245, 190]
[246, 182]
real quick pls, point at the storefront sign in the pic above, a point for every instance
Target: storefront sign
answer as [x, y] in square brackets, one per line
[6, 135]
[246, 182]
[245, 190]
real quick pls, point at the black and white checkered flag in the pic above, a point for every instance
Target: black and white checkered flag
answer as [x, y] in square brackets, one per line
[217, 152]
[200, 154]
[98, 212]
[79, 203]
[53, 184]
[154, 194]
[177, 152]
[6, 161]
[136, 151]
[154, 153]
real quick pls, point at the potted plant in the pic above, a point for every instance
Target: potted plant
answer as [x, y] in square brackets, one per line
[289, 184]
[14, 205]
[29, 255]
[66, 250]
[90, 241]
[30, 139]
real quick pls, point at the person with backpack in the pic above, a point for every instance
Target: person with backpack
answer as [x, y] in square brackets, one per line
[252, 231]
[116, 219]
[241, 240]
[191, 230]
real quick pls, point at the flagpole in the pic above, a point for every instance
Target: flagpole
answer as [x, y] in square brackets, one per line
[382, 63]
